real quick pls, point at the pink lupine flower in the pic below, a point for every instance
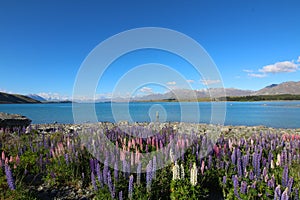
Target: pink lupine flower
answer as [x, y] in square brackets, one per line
[11, 159]
[17, 160]
[202, 167]
[3, 155]
[216, 150]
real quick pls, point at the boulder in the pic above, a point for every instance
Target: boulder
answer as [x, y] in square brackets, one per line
[13, 120]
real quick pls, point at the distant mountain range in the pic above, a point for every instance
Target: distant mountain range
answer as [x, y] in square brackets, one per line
[283, 88]
[15, 98]
[36, 97]
[291, 87]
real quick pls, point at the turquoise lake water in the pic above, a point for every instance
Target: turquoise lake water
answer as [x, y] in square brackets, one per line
[281, 114]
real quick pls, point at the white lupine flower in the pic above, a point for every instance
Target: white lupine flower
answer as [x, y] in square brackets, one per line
[175, 170]
[194, 175]
[182, 171]
[272, 164]
[278, 160]
[172, 155]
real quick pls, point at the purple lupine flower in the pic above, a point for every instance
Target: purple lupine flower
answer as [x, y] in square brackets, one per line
[285, 195]
[290, 185]
[154, 167]
[99, 174]
[257, 164]
[285, 176]
[243, 188]
[251, 175]
[296, 194]
[130, 187]
[92, 165]
[277, 193]
[138, 171]
[238, 153]
[239, 167]
[149, 176]
[116, 171]
[233, 157]
[209, 161]
[254, 157]
[94, 181]
[120, 195]
[105, 171]
[271, 182]
[67, 158]
[245, 162]
[110, 185]
[235, 185]
[9, 177]
[224, 180]
[270, 158]
[124, 166]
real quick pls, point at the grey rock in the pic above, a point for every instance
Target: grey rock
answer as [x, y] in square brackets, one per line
[13, 120]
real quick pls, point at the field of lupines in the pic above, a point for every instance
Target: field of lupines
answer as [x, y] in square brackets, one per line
[149, 161]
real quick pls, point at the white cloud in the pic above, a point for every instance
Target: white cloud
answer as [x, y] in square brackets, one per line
[280, 67]
[190, 81]
[209, 82]
[146, 90]
[298, 59]
[171, 83]
[256, 75]
[247, 70]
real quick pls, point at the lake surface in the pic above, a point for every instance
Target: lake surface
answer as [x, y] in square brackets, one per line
[281, 114]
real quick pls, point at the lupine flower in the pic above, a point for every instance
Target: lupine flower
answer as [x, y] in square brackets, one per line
[239, 167]
[182, 171]
[172, 155]
[138, 171]
[3, 155]
[94, 181]
[202, 167]
[290, 184]
[209, 161]
[265, 171]
[285, 195]
[243, 188]
[175, 170]
[296, 194]
[224, 180]
[285, 176]
[154, 167]
[272, 164]
[278, 162]
[110, 185]
[105, 171]
[130, 187]
[149, 176]
[99, 174]
[9, 177]
[194, 172]
[67, 158]
[277, 193]
[116, 171]
[120, 195]
[235, 185]
[251, 175]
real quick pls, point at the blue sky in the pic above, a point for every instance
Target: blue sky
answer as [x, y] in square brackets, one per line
[43, 43]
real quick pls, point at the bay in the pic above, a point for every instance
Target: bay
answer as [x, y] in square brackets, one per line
[277, 114]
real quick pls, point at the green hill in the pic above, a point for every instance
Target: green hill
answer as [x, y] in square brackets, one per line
[15, 98]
